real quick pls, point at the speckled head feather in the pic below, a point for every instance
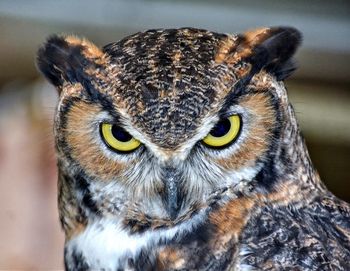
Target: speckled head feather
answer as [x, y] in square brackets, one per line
[160, 76]
[176, 200]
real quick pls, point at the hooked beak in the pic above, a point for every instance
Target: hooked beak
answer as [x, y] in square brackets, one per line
[171, 197]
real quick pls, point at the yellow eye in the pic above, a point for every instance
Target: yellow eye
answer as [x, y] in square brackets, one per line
[224, 132]
[117, 138]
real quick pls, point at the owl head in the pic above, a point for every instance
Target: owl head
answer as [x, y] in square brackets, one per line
[156, 123]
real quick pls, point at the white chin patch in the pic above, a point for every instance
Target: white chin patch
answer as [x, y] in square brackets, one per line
[105, 244]
[244, 174]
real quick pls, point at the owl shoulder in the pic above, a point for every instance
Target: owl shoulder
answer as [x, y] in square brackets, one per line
[305, 236]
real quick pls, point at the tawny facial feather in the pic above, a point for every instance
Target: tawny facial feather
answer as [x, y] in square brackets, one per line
[225, 50]
[80, 131]
[170, 258]
[231, 218]
[255, 36]
[90, 49]
[258, 133]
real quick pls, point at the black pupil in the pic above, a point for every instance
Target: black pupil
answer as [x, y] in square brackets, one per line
[120, 134]
[221, 128]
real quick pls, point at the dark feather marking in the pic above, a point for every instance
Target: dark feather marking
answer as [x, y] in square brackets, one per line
[83, 186]
[274, 53]
[306, 237]
[75, 260]
[60, 62]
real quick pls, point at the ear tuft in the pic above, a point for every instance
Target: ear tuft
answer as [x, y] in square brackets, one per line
[64, 58]
[273, 49]
[52, 59]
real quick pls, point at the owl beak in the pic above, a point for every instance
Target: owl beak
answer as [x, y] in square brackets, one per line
[171, 196]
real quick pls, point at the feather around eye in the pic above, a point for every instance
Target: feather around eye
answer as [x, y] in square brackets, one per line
[224, 132]
[117, 139]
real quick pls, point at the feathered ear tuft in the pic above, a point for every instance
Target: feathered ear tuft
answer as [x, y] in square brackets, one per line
[64, 59]
[271, 49]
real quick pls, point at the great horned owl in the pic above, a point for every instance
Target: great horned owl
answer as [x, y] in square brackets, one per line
[178, 150]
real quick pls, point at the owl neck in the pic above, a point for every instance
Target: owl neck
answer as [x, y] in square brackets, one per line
[289, 161]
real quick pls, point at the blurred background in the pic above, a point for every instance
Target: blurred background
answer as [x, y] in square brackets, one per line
[320, 91]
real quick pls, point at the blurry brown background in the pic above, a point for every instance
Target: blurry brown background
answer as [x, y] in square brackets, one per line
[30, 236]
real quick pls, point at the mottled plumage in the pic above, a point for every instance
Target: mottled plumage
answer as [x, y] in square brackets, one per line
[173, 202]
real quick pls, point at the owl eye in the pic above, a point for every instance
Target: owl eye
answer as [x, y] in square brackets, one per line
[117, 138]
[224, 132]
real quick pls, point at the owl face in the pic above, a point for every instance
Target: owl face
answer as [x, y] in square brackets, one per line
[158, 122]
